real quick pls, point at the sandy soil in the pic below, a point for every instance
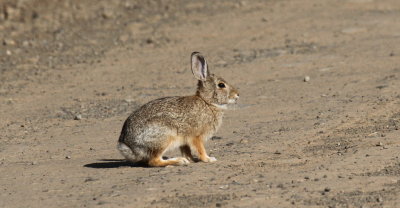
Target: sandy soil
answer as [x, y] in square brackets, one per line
[72, 71]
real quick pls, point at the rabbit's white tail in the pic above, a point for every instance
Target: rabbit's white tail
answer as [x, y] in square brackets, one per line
[126, 152]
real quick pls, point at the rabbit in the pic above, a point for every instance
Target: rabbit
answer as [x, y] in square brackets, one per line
[186, 122]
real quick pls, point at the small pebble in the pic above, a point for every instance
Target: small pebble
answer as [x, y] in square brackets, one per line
[10, 101]
[229, 144]
[123, 38]
[374, 134]
[101, 202]
[67, 157]
[8, 42]
[78, 117]
[34, 163]
[90, 179]
[306, 79]
[216, 138]
[149, 41]
[242, 3]
[327, 189]
[244, 141]
[128, 100]
[224, 187]
[379, 144]
[25, 43]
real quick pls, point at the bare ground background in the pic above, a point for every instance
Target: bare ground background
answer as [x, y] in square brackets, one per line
[330, 142]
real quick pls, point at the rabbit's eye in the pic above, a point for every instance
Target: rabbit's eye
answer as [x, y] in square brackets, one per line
[221, 85]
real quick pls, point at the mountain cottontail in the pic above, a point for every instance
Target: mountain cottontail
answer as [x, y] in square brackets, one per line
[184, 122]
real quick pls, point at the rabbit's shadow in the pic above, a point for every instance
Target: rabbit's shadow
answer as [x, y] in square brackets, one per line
[117, 163]
[114, 163]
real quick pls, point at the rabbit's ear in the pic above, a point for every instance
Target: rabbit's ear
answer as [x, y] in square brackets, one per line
[199, 66]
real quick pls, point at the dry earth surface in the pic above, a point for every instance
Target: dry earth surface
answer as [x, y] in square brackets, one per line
[72, 71]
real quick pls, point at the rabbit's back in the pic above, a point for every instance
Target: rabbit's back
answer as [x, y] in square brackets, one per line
[186, 116]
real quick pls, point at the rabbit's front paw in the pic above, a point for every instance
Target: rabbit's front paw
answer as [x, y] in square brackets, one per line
[209, 159]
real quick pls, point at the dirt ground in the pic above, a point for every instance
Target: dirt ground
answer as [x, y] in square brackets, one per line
[72, 71]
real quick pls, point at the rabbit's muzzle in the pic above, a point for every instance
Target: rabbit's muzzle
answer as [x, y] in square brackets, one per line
[233, 97]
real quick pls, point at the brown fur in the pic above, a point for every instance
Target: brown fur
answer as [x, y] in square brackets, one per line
[199, 147]
[184, 122]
